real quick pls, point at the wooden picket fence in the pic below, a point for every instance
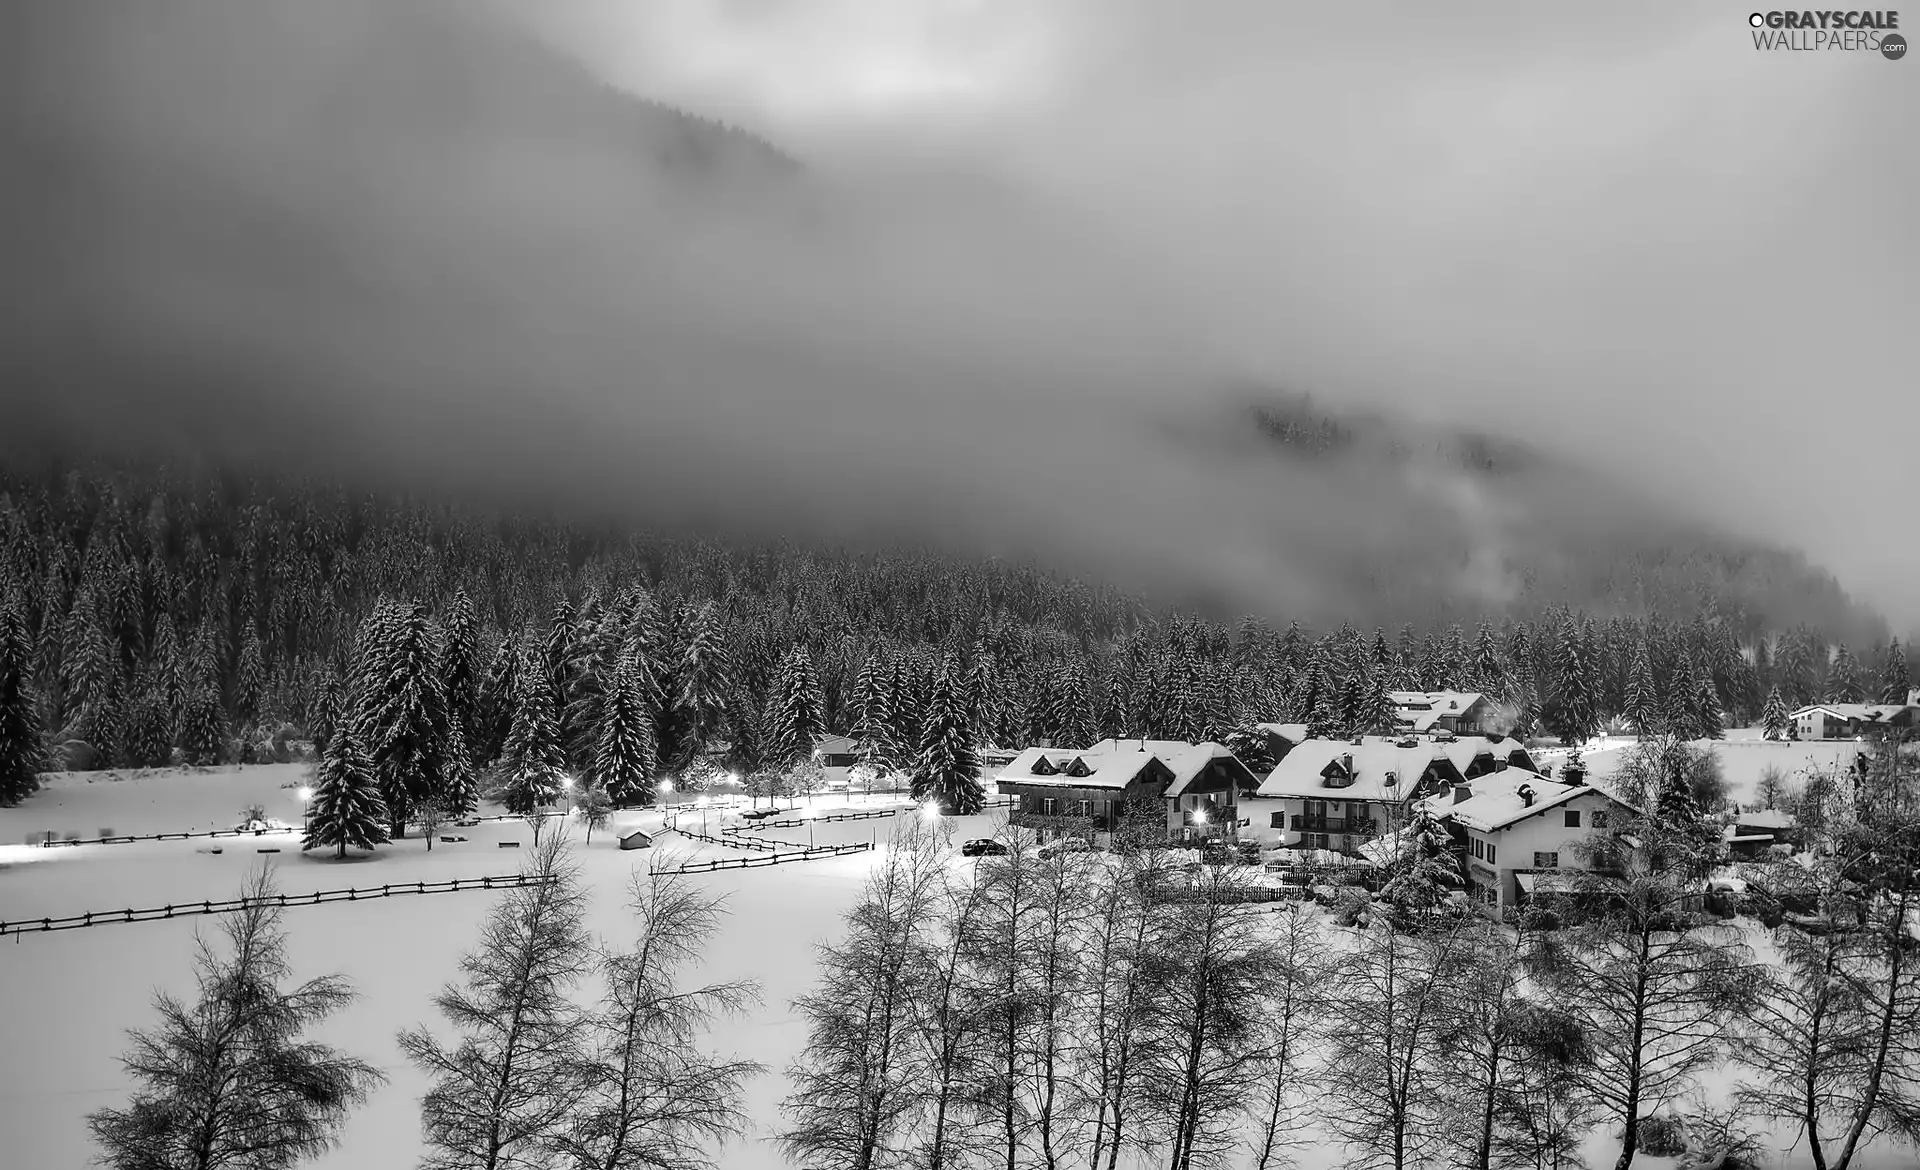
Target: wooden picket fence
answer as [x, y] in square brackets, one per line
[229, 905]
[766, 859]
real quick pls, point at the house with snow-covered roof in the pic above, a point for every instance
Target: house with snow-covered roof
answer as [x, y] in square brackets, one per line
[1337, 794]
[1458, 712]
[1848, 720]
[1513, 826]
[1198, 788]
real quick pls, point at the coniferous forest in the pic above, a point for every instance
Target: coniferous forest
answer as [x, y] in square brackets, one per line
[159, 619]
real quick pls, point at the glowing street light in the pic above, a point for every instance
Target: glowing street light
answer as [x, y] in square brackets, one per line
[306, 797]
[930, 810]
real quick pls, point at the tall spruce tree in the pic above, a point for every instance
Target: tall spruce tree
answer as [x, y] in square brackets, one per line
[1070, 713]
[401, 708]
[1895, 683]
[460, 669]
[22, 743]
[533, 759]
[947, 771]
[1775, 721]
[794, 718]
[1574, 714]
[1707, 719]
[346, 809]
[1642, 707]
[623, 761]
[1843, 677]
[1680, 708]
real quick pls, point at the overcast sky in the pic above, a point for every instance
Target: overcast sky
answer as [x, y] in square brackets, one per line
[1617, 229]
[1620, 220]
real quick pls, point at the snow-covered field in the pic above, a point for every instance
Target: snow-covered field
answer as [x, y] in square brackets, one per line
[1743, 756]
[71, 995]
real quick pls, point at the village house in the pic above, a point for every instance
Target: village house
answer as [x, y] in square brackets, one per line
[1477, 755]
[1513, 827]
[1336, 795]
[1066, 793]
[1458, 712]
[1090, 791]
[1850, 720]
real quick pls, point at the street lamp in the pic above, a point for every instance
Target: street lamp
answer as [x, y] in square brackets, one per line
[930, 810]
[306, 796]
[808, 817]
[703, 815]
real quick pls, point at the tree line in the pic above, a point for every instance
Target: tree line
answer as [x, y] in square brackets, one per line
[210, 622]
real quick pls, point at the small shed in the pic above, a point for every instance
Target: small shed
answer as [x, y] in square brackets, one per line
[636, 840]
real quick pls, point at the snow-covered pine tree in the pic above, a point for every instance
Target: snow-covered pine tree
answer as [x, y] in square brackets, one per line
[249, 680]
[1895, 683]
[1573, 711]
[793, 720]
[705, 676]
[203, 726]
[532, 759]
[1424, 871]
[1843, 678]
[401, 708]
[460, 669]
[1642, 707]
[623, 762]
[1707, 719]
[1354, 700]
[346, 809]
[22, 743]
[947, 771]
[1680, 710]
[1775, 720]
[494, 712]
[230, 1081]
[1376, 715]
[1071, 712]
[148, 738]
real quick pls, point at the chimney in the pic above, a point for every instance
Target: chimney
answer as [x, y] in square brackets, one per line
[1461, 792]
[1525, 794]
[1346, 762]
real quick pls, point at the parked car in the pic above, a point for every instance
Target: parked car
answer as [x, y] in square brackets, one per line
[1066, 845]
[983, 847]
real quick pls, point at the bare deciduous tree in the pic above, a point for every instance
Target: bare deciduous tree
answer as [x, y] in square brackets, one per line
[501, 1091]
[648, 1095]
[855, 1082]
[227, 1080]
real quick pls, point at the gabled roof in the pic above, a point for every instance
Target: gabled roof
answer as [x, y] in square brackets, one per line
[1105, 769]
[1867, 712]
[1495, 802]
[1302, 775]
[1443, 702]
[1188, 764]
[1293, 733]
[834, 745]
[1464, 749]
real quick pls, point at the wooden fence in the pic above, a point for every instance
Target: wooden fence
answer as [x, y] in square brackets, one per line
[830, 818]
[772, 858]
[229, 905]
[1230, 895]
[46, 838]
[729, 842]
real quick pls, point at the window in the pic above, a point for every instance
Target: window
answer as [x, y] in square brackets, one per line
[1316, 840]
[1599, 820]
[1479, 848]
[1546, 861]
[1573, 818]
[1490, 857]
[1083, 808]
[1048, 805]
[1279, 820]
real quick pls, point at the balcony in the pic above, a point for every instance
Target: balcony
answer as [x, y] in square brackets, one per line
[1058, 822]
[1301, 823]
